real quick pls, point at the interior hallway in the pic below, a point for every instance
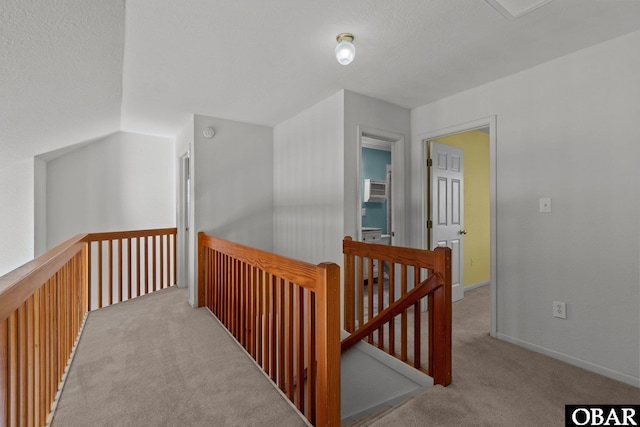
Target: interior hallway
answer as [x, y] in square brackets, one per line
[155, 361]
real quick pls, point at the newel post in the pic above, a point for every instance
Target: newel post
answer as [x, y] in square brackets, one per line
[201, 271]
[440, 320]
[328, 344]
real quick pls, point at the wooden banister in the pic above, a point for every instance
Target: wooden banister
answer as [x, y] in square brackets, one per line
[373, 325]
[285, 313]
[407, 300]
[43, 305]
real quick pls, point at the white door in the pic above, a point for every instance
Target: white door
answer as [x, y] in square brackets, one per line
[446, 214]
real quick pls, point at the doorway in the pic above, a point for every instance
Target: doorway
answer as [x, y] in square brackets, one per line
[184, 219]
[386, 213]
[487, 125]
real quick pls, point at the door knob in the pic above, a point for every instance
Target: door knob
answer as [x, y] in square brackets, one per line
[463, 231]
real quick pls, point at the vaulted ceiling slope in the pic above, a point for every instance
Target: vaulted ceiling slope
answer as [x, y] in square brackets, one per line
[60, 72]
[77, 69]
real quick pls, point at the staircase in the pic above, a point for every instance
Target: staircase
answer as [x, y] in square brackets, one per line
[373, 381]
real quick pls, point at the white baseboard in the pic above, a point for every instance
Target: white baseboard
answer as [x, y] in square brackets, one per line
[476, 285]
[601, 370]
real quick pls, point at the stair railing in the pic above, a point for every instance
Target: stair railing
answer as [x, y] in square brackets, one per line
[285, 313]
[43, 307]
[371, 311]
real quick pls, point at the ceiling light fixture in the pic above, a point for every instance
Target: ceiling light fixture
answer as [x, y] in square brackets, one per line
[345, 50]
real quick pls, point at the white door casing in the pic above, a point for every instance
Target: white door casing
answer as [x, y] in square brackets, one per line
[446, 213]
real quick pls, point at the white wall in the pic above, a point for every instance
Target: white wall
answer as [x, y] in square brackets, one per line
[567, 129]
[232, 184]
[308, 182]
[61, 83]
[372, 113]
[122, 182]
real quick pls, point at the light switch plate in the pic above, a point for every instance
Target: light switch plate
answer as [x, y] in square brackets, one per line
[364, 211]
[545, 204]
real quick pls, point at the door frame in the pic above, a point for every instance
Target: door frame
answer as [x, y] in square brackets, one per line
[424, 138]
[397, 164]
[184, 209]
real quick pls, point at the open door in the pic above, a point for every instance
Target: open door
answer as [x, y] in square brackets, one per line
[445, 223]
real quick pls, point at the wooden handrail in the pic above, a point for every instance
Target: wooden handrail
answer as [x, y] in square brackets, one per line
[43, 305]
[19, 284]
[357, 255]
[425, 288]
[283, 312]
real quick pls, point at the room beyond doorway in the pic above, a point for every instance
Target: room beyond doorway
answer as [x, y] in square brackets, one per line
[487, 126]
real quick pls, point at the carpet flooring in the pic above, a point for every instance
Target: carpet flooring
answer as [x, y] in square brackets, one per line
[155, 361]
[161, 363]
[496, 383]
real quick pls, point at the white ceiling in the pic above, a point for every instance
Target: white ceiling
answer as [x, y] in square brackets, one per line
[76, 69]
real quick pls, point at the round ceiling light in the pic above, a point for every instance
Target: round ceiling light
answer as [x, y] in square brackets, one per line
[345, 50]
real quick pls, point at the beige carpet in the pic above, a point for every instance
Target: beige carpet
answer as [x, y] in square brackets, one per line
[499, 384]
[155, 361]
[161, 363]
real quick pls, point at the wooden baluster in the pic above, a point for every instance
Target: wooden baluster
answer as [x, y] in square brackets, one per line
[175, 259]
[274, 328]
[161, 259]
[360, 291]
[89, 303]
[30, 360]
[281, 337]
[129, 270]
[154, 280]
[46, 351]
[417, 338]
[110, 271]
[120, 288]
[13, 370]
[22, 361]
[37, 345]
[241, 302]
[53, 343]
[138, 271]
[403, 317]
[349, 291]
[4, 373]
[100, 273]
[370, 314]
[252, 313]
[289, 343]
[267, 323]
[146, 265]
[259, 313]
[311, 357]
[380, 301]
[392, 323]
[300, 350]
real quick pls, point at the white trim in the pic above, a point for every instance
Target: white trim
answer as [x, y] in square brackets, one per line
[571, 360]
[476, 286]
[491, 123]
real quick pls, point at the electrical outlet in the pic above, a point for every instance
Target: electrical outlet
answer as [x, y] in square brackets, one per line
[560, 309]
[364, 211]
